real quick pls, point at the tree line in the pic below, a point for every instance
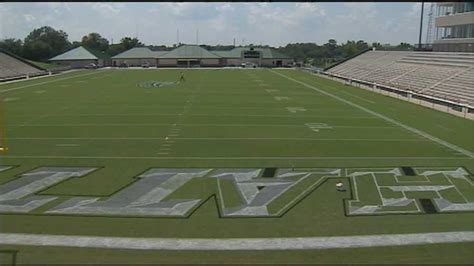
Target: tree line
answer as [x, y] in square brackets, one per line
[46, 42]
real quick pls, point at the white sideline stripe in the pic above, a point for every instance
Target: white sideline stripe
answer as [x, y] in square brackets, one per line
[350, 94]
[187, 125]
[234, 158]
[218, 115]
[289, 243]
[46, 82]
[390, 120]
[215, 138]
[67, 145]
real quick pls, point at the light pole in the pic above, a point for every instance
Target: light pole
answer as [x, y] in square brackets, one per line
[421, 24]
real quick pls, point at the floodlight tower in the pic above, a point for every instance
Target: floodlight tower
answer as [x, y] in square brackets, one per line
[421, 24]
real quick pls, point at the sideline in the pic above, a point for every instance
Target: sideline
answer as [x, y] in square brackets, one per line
[46, 82]
[390, 120]
[291, 243]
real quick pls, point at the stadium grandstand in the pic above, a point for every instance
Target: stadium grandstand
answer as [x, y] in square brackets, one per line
[441, 76]
[14, 67]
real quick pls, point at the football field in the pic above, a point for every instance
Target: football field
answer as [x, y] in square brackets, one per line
[249, 157]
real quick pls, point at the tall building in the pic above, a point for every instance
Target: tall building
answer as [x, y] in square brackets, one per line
[454, 27]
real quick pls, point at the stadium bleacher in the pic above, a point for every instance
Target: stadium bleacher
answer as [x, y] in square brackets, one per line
[446, 76]
[13, 67]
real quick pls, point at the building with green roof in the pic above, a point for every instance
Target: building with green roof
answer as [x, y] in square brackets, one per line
[80, 57]
[137, 56]
[189, 55]
[195, 55]
[265, 57]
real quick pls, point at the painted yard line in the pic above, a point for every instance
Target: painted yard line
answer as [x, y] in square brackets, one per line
[217, 115]
[186, 125]
[383, 117]
[46, 82]
[313, 106]
[287, 243]
[214, 138]
[67, 145]
[350, 94]
[233, 158]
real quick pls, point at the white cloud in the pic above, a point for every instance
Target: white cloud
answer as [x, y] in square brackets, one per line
[29, 17]
[106, 8]
[266, 23]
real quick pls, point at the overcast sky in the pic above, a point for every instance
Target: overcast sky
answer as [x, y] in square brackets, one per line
[274, 24]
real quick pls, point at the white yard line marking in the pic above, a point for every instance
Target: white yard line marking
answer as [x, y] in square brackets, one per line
[350, 94]
[187, 125]
[216, 138]
[212, 115]
[11, 99]
[67, 145]
[279, 98]
[46, 82]
[234, 158]
[390, 120]
[296, 109]
[287, 243]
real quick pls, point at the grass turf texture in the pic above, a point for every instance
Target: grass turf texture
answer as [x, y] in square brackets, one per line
[224, 118]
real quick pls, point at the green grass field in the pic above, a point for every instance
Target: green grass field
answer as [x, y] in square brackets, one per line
[121, 126]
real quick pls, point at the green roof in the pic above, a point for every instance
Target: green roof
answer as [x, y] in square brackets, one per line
[98, 54]
[79, 53]
[189, 52]
[267, 53]
[195, 52]
[139, 52]
[228, 54]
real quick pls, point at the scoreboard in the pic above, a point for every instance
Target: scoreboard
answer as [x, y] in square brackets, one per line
[251, 54]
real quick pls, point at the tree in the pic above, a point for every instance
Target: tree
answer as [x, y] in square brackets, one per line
[376, 45]
[404, 45]
[361, 45]
[44, 43]
[129, 43]
[331, 48]
[95, 41]
[115, 49]
[14, 46]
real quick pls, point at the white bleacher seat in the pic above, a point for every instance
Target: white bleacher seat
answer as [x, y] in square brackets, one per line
[439, 74]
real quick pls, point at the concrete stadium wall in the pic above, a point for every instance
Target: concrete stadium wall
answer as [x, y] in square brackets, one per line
[447, 46]
[135, 61]
[232, 62]
[273, 62]
[75, 63]
[210, 62]
[167, 62]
